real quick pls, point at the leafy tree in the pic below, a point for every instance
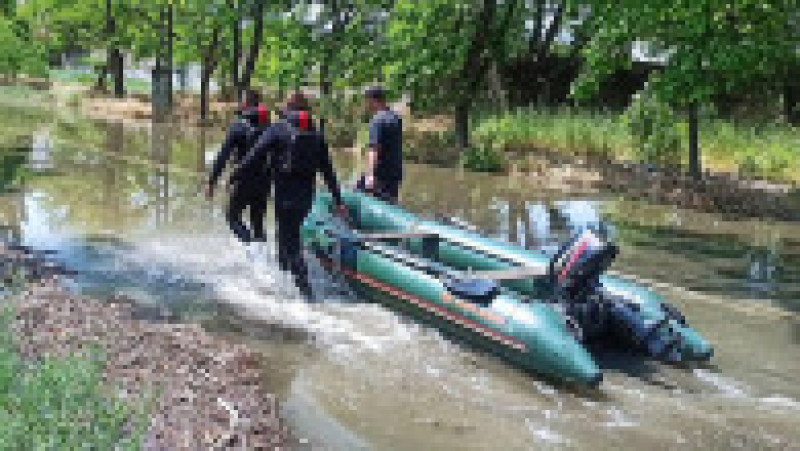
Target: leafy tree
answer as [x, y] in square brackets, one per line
[440, 52]
[19, 51]
[710, 47]
[200, 27]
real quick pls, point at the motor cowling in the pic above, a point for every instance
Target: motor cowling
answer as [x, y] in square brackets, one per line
[576, 268]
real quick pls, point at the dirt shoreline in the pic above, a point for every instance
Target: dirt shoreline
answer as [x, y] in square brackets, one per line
[209, 391]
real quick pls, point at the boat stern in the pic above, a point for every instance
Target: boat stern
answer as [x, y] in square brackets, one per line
[549, 347]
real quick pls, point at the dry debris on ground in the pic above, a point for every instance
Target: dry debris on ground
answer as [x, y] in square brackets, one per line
[209, 392]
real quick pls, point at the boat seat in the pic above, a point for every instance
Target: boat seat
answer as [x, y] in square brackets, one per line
[522, 272]
[396, 236]
[430, 241]
[479, 291]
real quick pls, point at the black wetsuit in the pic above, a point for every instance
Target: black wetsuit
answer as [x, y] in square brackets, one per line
[294, 193]
[252, 192]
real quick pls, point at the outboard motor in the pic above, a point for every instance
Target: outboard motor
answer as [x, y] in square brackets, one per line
[658, 339]
[575, 277]
[575, 270]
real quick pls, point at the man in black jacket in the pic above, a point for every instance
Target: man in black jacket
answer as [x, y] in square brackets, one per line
[252, 192]
[385, 157]
[297, 152]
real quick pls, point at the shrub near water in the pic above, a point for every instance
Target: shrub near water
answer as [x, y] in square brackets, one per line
[767, 151]
[561, 130]
[59, 404]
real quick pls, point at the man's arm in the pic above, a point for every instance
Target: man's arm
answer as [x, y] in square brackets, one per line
[326, 167]
[224, 155]
[375, 131]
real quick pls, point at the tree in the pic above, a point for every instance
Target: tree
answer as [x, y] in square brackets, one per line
[544, 42]
[440, 52]
[200, 24]
[84, 24]
[256, 11]
[20, 52]
[709, 48]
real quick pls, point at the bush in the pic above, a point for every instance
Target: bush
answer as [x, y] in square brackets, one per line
[60, 404]
[654, 129]
[431, 147]
[483, 159]
[649, 132]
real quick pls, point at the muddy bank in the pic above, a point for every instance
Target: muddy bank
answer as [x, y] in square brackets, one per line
[35, 83]
[138, 108]
[209, 392]
[711, 193]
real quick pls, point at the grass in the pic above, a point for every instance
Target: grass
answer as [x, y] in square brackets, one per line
[60, 403]
[770, 152]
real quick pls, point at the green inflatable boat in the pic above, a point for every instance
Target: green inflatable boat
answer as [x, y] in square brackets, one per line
[533, 311]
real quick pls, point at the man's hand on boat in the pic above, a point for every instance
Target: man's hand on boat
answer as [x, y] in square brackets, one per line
[341, 211]
[369, 182]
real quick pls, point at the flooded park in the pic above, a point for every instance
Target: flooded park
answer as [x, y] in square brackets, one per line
[121, 206]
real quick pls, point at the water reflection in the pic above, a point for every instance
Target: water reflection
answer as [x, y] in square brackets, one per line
[41, 151]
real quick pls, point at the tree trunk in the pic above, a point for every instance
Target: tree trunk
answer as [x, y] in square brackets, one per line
[102, 71]
[183, 77]
[462, 125]
[473, 72]
[237, 52]
[169, 55]
[496, 86]
[694, 145]
[208, 65]
[255, 46]
[324, 83]
[325, 90]
[114, 58]
[119, 73]
[205, 78]
[791, 101]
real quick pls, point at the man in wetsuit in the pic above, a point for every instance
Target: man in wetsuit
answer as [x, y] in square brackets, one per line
[385, 156]
[297, 152]
[250, 192]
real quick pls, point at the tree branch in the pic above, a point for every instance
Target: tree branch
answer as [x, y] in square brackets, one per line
[255, 47]
[552, 32]
[476, 61]
[536, 33]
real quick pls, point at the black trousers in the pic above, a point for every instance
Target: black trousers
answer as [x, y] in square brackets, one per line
[255, 199]
[290, 218]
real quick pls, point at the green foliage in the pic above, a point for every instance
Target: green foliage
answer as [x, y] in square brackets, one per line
[654, 128]
[564, 130]
[59, 403]
[483, 159]
[710, 48]
[337, 41]
[438, 50]
[19, 53]
[765, 152]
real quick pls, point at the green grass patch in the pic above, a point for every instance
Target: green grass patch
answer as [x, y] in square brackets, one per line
[61, 403]
[768, 151]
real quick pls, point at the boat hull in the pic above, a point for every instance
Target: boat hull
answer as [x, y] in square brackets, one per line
[519, 325]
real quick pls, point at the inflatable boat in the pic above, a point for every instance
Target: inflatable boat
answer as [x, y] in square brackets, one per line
[538, 313]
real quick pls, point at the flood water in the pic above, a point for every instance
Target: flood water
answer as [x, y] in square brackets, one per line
[122, 206]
